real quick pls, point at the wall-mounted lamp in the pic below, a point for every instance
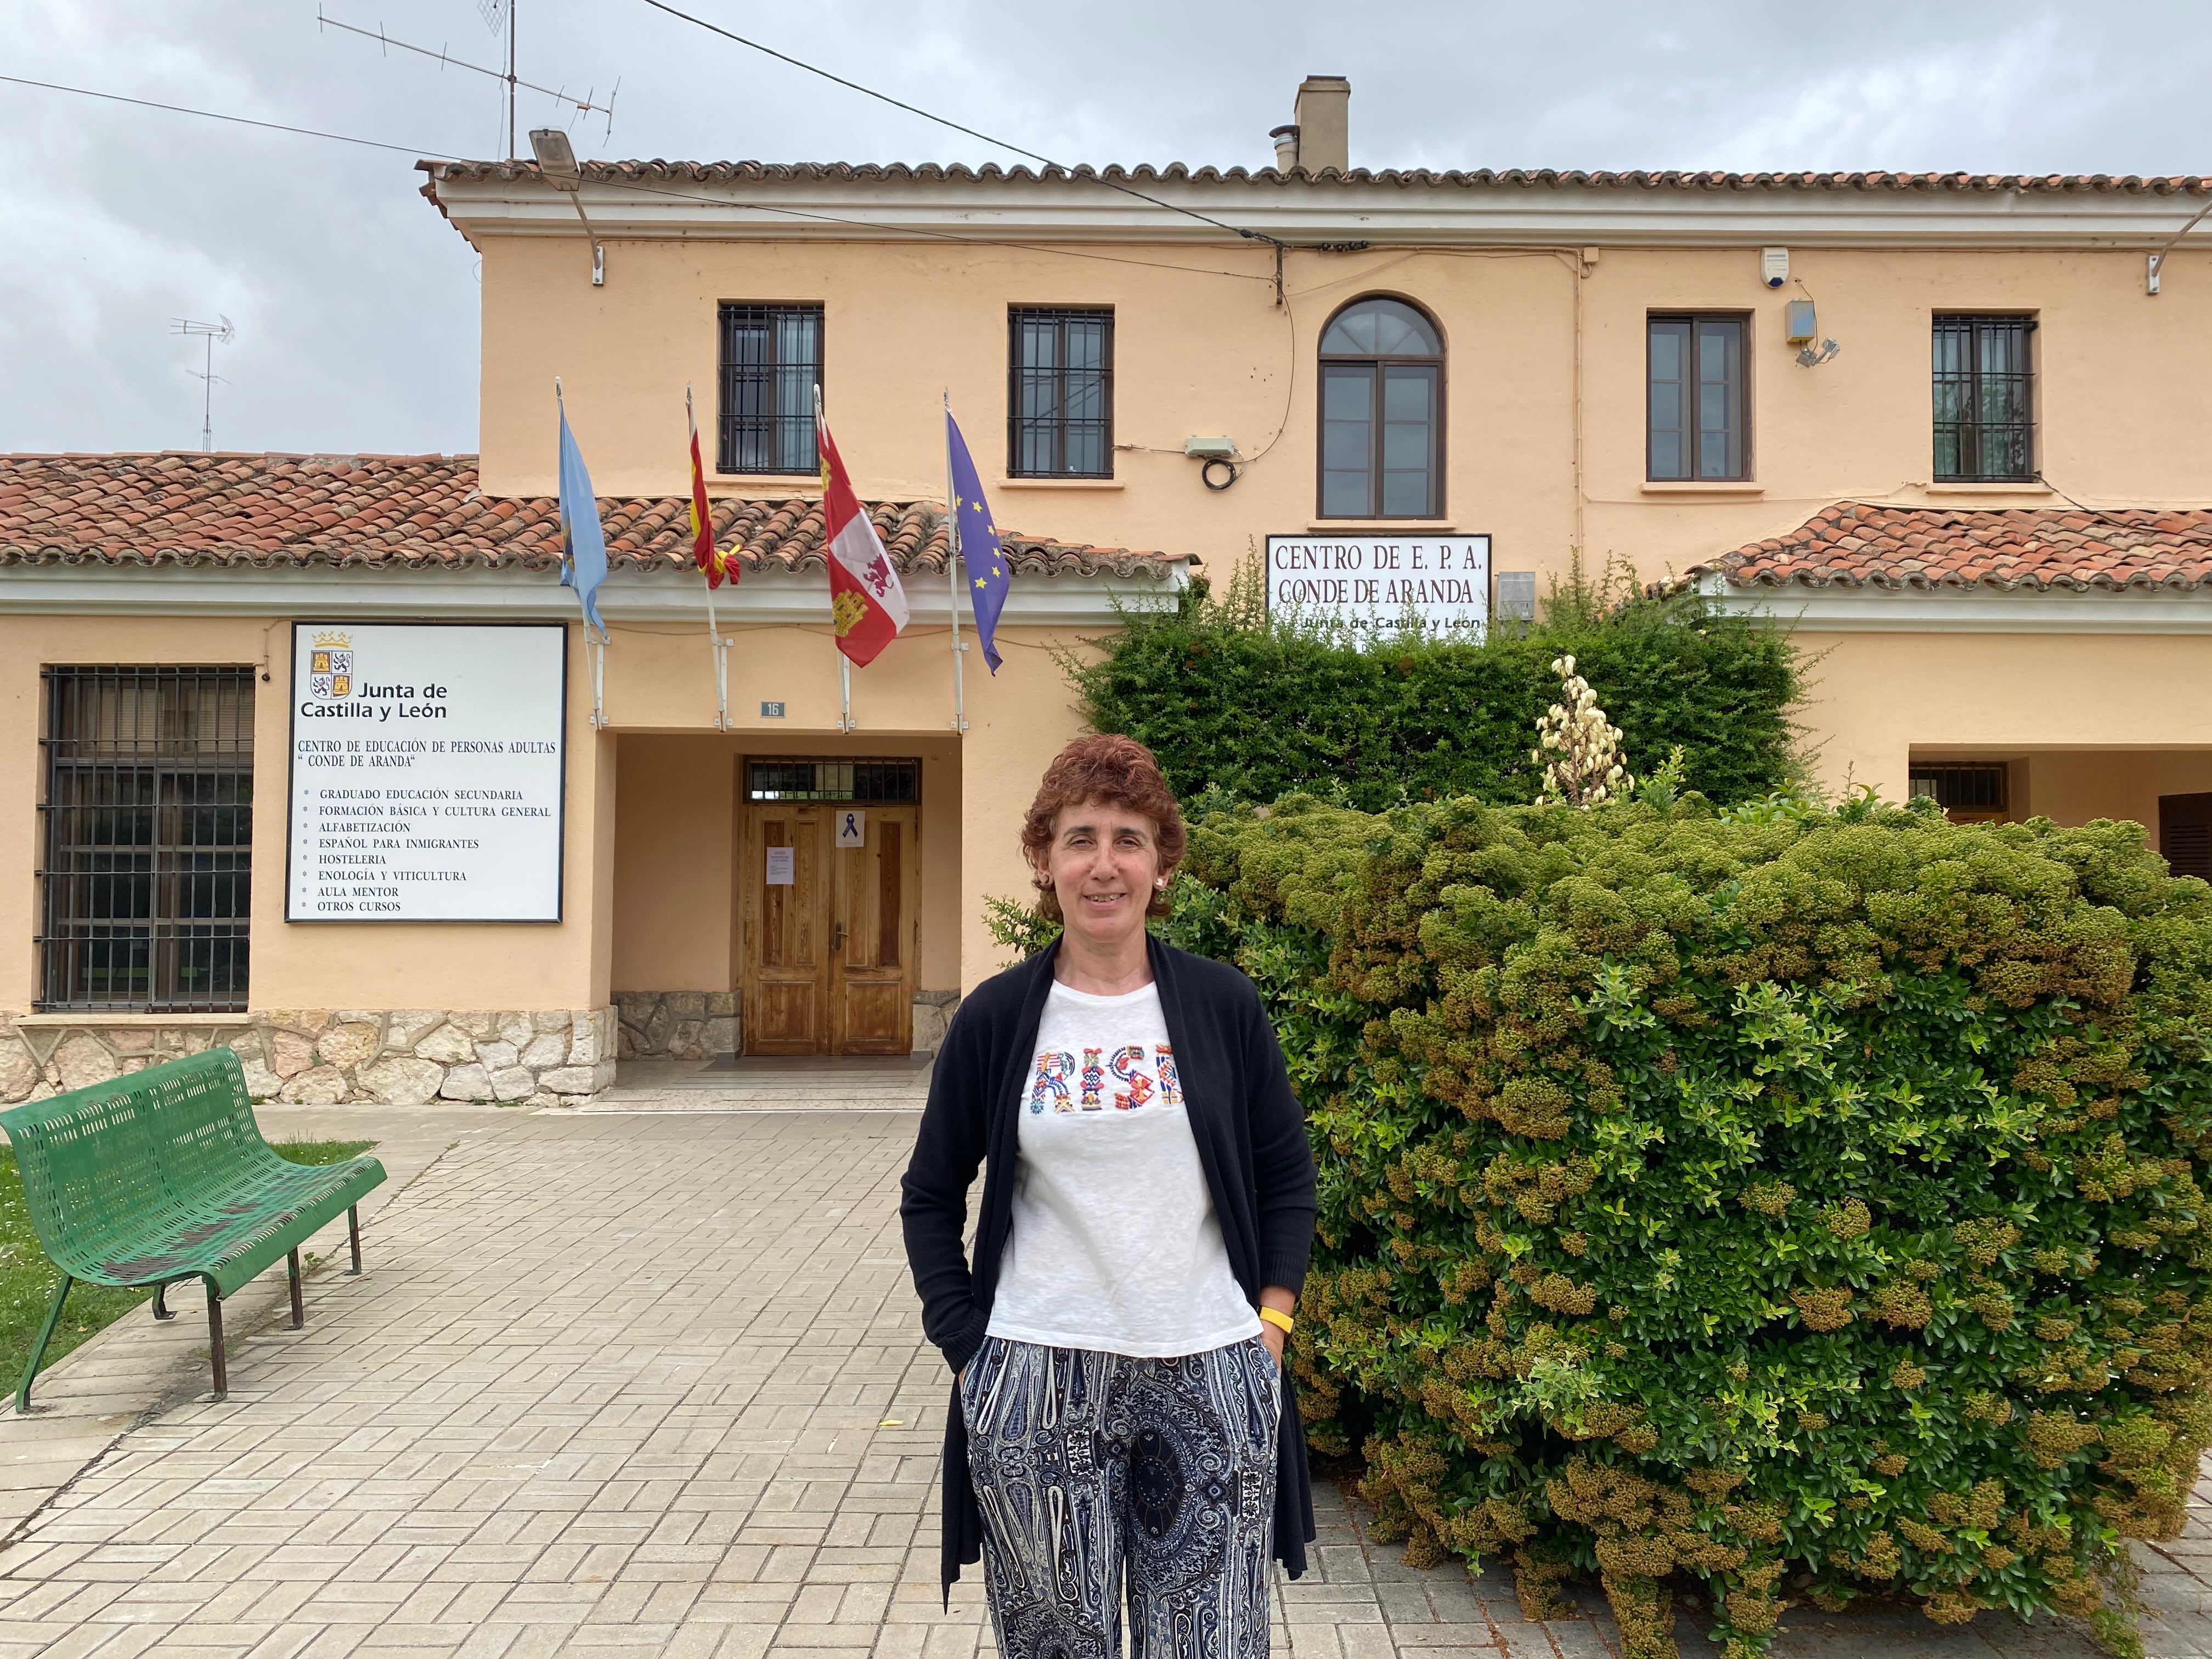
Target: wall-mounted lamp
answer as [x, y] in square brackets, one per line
[556, 159]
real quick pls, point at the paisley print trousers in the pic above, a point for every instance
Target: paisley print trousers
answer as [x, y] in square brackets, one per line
[1104, 1479]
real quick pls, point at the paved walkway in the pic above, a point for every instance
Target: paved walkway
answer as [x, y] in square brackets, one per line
[650, 1380]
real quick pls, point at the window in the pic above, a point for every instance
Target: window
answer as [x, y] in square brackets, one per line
[148, 835]
[863, 782]
[1984, 399]
[1060, 394]
[1381, 413]
[1969, 791]
[771, 367]
[1699, 423]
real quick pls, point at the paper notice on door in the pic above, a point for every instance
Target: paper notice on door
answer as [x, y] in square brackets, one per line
[852, 828]
[779, 867]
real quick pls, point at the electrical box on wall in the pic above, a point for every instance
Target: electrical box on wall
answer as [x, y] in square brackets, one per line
[1799, 326]
[1774, 266]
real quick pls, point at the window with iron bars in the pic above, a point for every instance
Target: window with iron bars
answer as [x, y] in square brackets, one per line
[148, 839]
[1970, 791]
[862, 782]
[771, 365]
[1060, 396]
[1985, 391]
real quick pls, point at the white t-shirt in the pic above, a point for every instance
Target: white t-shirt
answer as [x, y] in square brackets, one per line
[1115, 1245]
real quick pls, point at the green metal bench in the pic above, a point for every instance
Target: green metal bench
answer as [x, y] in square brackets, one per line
[162, 1176]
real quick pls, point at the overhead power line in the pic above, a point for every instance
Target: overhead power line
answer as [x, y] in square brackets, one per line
[1002, 143]
[423, 152]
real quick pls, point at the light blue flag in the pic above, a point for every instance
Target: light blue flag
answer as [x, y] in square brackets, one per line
[583, 541]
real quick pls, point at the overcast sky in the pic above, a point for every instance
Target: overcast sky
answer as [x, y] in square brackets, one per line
[355, 306]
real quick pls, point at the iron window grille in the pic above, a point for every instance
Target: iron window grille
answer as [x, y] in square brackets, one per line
[1381, 413]
[1985, 393]
[846, 782]
[771, 366]
[1699, 424]
[1980, 787]
[1059, 395]
[147, 831]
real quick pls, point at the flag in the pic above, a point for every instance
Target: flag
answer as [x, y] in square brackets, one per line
[867, 603]
[979, 542]
[708, 557]
[583, 542]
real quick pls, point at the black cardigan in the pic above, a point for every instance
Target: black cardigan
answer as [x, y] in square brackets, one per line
[1251, 1136]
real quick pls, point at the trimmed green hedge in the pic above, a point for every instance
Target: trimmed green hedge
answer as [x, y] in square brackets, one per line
[1808, 1204]
[1229, 703]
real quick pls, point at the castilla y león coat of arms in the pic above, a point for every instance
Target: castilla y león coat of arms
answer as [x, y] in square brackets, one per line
[330, 667]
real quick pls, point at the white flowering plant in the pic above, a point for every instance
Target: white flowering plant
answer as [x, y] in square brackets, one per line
[1578, 747]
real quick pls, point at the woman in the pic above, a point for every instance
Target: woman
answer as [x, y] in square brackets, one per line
[1121, 1420]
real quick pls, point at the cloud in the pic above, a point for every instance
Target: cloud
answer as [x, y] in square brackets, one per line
[356, 304]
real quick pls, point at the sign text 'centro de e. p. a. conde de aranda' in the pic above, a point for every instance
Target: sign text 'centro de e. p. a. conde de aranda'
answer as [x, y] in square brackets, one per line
[1381, 583]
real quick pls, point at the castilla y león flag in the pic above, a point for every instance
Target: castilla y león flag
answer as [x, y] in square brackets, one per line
[866, 602]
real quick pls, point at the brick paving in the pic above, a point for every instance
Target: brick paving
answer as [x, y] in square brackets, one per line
[652, 1382]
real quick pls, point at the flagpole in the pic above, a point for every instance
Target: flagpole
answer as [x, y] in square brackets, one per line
[952, 573]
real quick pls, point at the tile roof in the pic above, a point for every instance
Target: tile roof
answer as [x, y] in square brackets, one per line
[425, 512]
[1863, 544]
[723, 173]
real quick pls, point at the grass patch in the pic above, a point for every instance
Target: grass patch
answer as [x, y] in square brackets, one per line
[27, 1278]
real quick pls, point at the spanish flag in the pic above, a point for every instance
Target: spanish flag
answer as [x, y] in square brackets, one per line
[713, 563]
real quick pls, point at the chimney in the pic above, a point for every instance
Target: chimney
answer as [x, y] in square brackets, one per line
[1323, 113]
[1286, 147]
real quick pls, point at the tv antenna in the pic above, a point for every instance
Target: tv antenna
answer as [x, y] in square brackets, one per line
[209, 333]
[498, 14]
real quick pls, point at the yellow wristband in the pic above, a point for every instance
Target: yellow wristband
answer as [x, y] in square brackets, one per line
[1278, 1318]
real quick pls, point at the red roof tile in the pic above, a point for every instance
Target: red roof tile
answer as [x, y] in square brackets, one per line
[426, 512]
[1860, 545]
[1404, 177]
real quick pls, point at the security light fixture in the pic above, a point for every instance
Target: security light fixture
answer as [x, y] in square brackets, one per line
[556, 160]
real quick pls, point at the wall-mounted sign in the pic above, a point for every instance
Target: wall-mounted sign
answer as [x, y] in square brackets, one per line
[779, 873]
[771, 711]
[1376, 584]
[426, 768]
[851, 827]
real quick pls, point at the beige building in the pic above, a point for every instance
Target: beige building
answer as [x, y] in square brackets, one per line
[1949, 425]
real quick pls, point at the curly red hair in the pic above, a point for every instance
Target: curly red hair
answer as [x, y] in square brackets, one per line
[1121, 772]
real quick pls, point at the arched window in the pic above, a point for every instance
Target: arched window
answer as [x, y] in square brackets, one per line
[1381, 413]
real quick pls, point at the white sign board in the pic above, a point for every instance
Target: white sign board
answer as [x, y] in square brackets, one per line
[427, 769]
[851, 827]
[780, 867]
[1377, 584]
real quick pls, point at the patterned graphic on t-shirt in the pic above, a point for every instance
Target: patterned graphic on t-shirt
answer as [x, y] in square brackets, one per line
[1126, 1062]
[1053, 1071]
[1143, 1084]
[1170, 1083]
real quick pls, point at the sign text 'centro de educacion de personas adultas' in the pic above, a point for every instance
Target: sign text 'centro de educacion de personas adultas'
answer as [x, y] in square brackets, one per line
[426, 772]
[1376, 584]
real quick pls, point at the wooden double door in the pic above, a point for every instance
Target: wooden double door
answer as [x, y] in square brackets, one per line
[829, 927]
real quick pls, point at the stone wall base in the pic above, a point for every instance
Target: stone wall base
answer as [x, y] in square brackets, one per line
[328, 1057]
[676, 1025]
[700, 1025]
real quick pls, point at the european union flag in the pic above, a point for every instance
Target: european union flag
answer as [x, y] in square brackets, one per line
[583, 541]
[979, 542]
